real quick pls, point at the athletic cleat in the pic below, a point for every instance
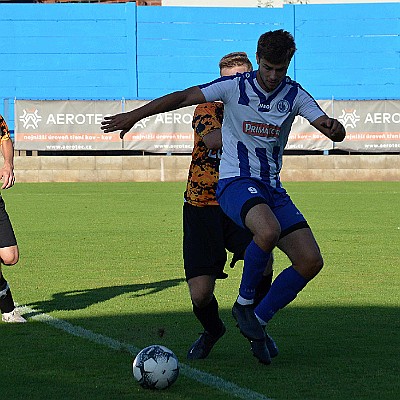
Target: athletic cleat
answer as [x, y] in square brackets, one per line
[203, 345]
[271, 345]
[247, 322]
[251, 329]
[260, 351]
[13, 316]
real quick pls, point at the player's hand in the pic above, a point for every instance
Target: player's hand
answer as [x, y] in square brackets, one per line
[120, 122]
[7, 175]
[335, 130]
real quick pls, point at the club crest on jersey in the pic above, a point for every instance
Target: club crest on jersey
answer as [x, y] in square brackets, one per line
[283, 106]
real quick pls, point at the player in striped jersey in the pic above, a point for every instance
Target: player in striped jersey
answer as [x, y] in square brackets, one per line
[8, 244]
[207, 231]
[259, 109]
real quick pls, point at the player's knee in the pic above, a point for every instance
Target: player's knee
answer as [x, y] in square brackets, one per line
[10, 259]
[201, 297]
[201, 290]
[9, 255]
[308, 264]
[313, 265]
[267, 238]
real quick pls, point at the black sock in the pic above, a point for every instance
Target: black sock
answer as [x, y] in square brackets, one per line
[263, 288]
[6, 300]
[209, 317]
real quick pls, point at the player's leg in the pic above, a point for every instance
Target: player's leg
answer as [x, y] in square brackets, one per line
[236, 241]
[245, 202]
[204, 260]
[9, 255]
[265, 228]
[259, 281]
[205, 305]
[201, 289]
[299, 244]
[262, 290]
[265, 283]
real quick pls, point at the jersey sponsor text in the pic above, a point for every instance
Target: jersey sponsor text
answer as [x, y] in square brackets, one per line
[260, 129]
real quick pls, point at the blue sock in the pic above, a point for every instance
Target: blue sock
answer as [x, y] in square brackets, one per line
[284, 289]
[255, 261]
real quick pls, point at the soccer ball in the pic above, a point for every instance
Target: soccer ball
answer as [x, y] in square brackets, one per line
[156, 367]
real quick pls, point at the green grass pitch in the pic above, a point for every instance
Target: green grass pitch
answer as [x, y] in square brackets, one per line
[107, 258]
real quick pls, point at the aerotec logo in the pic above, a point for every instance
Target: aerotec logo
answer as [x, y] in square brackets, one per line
[349, 118]
[259, 129]
[30, 119]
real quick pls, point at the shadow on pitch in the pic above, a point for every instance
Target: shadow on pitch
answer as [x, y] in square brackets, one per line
[326, 353]
[79, 299]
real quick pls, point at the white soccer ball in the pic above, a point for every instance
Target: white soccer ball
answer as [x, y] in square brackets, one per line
[156, 367]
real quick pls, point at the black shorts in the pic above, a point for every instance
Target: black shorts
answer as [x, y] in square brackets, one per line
[207, 234]
[7, 237]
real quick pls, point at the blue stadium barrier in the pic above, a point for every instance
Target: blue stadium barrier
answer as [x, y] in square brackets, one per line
[113, 51]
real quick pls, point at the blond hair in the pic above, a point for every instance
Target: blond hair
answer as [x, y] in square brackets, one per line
[235, 59]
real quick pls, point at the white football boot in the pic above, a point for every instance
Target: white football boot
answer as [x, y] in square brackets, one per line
[14, 317]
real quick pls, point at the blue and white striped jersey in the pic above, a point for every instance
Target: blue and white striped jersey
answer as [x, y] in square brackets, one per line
[257, 124]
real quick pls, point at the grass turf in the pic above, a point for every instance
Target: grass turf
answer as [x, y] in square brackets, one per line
[107, 257]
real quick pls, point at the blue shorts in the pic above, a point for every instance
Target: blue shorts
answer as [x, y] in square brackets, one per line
[237, 196]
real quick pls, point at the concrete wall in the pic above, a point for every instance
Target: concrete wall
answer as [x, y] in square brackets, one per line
[175, 168]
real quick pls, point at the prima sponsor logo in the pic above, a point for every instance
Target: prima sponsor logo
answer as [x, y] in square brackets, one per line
[349, 118]
[260, 129]
[30, 119]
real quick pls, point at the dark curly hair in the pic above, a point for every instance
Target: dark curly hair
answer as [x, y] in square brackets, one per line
[277, 47]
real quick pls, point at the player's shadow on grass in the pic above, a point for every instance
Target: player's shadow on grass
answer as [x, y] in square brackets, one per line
[79, 299]
[326, 353]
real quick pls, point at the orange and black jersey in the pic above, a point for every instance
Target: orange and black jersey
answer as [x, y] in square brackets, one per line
[4, 132]
[204, 167]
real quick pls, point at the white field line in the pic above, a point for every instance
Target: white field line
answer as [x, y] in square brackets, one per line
[192, 373]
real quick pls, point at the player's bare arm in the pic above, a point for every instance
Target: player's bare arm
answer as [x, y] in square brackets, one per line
[213, 139]
[7, 172]
[125, 121]
[330, 127]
